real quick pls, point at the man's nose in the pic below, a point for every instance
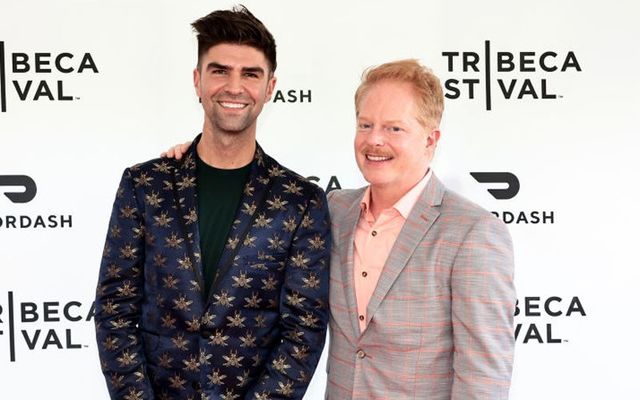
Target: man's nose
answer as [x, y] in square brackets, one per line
[234, 84]
[376, 136]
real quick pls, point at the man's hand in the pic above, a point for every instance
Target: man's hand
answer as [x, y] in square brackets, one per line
[176, 151]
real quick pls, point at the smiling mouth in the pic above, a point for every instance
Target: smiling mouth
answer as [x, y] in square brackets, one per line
[377, 158]
[234, 106]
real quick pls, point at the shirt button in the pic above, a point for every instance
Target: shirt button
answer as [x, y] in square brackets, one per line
[361, 317]
[373, 233]
[364, 274]
[360, 353]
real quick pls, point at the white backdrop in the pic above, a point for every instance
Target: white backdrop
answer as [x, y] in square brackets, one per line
[575, 156]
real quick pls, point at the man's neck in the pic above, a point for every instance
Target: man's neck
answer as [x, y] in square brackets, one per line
[386, 196]
[226, 151]
[383, 198]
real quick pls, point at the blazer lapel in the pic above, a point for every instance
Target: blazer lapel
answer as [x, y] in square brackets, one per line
[420, 220]
[251, 205]
[186, 206]
[346, 236]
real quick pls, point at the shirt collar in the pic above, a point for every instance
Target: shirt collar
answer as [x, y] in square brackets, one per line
[404, 204]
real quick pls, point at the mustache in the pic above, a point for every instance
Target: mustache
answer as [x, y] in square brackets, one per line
[374, 151]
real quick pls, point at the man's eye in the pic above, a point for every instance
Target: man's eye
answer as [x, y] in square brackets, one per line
[250, 74]
[394, 129]
[218, 71]
[364, 126]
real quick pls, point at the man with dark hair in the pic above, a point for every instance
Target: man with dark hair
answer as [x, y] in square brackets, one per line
[237, 26]
[214, 277]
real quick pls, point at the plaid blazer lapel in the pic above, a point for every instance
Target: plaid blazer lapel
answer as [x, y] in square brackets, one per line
[345, 215]
[423, 215]
[346, 235]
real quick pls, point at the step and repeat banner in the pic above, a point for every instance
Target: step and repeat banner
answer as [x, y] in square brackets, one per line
[540, 127]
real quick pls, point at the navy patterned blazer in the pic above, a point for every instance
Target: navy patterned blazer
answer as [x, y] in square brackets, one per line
[258, 333]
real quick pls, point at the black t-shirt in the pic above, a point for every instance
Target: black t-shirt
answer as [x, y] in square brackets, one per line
[219, 194]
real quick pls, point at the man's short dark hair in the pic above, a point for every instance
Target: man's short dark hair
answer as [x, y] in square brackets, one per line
[235, 26]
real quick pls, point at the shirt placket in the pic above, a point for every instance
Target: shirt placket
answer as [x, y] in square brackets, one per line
[371, 269]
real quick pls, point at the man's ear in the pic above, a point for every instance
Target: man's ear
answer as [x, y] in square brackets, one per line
[433, 137]
[196, 82]
[270, 88]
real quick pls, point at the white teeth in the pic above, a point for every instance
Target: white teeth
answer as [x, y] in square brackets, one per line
[232, 105]
[377, 158]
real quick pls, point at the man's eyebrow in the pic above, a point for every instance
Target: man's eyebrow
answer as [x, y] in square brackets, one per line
[255, 70]
[385, 122]
[215, 65]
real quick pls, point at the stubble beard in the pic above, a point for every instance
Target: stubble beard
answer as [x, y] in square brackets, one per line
[230, 125]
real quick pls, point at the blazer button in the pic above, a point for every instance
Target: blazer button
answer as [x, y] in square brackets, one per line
[206, 333]
[374, 233]
[196, 385]
[361, 317]
[360, 353]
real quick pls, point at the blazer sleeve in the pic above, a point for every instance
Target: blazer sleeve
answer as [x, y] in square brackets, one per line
[483, 305]
[303, 308]
[118, 297]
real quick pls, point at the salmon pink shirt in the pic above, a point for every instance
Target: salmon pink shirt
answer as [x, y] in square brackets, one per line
[373, 242]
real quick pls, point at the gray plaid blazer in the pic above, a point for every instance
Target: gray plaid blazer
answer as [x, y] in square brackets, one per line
[440, 322]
